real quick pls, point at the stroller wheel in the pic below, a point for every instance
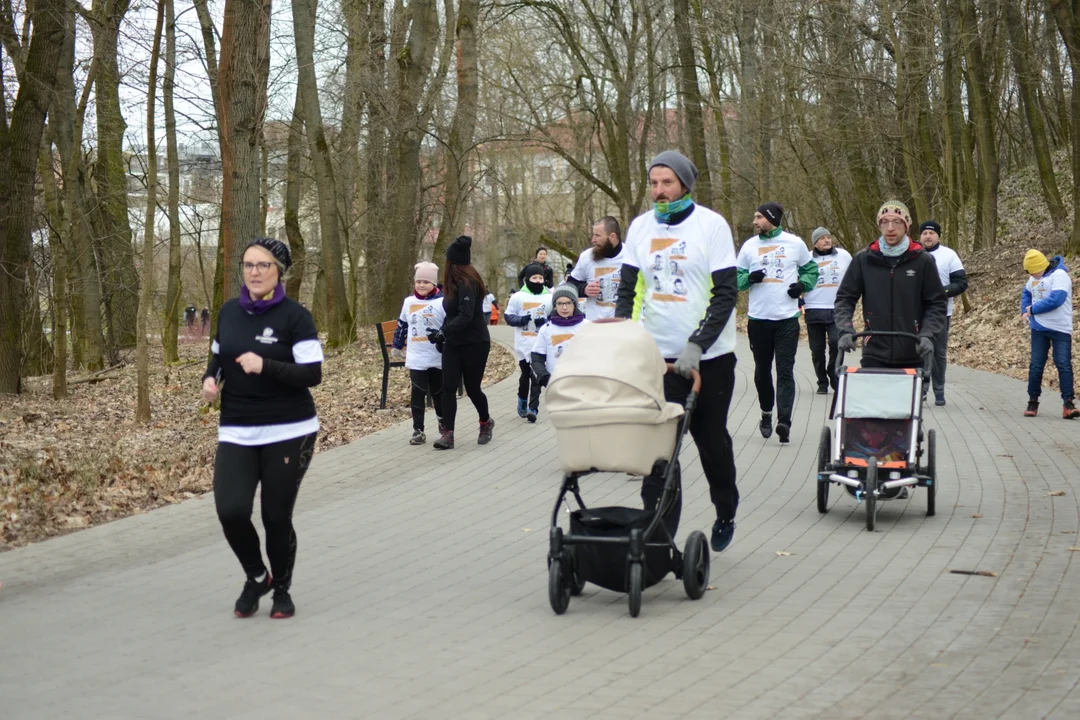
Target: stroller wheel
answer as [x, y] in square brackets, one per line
[824, 448]
[558, 589]
[577, 584]
[870, 489]
[636, 584]
[695, 569]
[931, 470]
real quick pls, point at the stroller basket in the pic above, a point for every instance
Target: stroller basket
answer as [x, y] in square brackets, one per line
[606, 564]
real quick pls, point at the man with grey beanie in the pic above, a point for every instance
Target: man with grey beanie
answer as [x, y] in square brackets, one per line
[832, 263]
[685, 256]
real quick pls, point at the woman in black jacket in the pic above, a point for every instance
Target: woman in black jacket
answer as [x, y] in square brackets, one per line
[263, 360]
[465, 341]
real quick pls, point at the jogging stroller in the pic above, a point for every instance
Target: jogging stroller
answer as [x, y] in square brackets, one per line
[606, 402]
[874, 448]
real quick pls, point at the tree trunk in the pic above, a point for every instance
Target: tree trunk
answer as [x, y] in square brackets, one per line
[982, 116]
[690, 101]
[712, 69]
[121, 279]
[171, 326]
[1028, 83]
[374, 233]
[348, 148]
[1067, 16]
[293, 186]
[58, 256]
[142, 350]
[341, 329]
[459, 145]
[19, 144]
[241, 102]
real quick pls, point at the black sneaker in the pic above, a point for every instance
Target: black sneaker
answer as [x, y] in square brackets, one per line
[939, 399]
[1069, 410]
[445, 441]
[783, 431]
[248, 602]
[765, 426]
[723, 531]
[283, 605]
[1032, 408]
[418, 438]
[531, 415]
[485, 431]
[822, 389]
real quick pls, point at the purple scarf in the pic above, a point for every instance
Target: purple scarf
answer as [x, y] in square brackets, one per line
[259, 305]
[560, 321]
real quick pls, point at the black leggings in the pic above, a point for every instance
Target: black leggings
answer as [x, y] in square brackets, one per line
[424, 382]
[464, 362]
[280, 467]
[527, 385]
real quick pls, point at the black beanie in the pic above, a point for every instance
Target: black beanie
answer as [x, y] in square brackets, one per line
[772, 212]
[930, 225]
[460, 251]
[278, 249]
[533, 268]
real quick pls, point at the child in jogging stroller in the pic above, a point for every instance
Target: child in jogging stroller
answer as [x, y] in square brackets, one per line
[607, 406]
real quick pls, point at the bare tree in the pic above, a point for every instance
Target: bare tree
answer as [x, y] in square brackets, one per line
[171, 325]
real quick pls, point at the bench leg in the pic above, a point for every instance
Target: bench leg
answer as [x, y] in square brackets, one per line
[385, 384]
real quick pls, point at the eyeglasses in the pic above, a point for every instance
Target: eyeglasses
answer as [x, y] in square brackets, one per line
[262, 267]
[890, 221]
[565, 303]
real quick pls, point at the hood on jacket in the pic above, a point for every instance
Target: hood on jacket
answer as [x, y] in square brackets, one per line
[1056, 263]
[914, 248]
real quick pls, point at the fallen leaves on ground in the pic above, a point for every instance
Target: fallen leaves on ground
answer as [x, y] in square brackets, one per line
[1056, 493]
[82, 461]
[784, 553]
[980, 573]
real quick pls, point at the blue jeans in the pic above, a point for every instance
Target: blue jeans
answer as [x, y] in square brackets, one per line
[1041, 342]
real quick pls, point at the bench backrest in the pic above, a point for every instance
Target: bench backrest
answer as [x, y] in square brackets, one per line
[386, 336]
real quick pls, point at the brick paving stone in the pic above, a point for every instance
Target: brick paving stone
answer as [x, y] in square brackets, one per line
[421, 589]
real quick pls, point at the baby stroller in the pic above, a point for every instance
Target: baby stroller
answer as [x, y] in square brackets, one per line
[606, 402]
[875, 445]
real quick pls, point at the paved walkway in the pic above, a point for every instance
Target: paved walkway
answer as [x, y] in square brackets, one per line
[421, 588]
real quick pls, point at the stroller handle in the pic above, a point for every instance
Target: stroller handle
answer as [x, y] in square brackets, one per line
[924, 369]
[694, 374]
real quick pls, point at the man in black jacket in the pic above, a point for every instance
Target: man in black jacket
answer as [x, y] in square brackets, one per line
[900, 290]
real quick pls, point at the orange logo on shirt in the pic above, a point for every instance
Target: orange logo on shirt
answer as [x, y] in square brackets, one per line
[600, 272]
[556, 339]
[414, 308]
[530, 305]
[661, 297]
[766, 250]
[659, 244]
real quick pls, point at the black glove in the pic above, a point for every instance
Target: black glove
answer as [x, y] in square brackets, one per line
[436, 338]
[542, 377]
[846, 342]
[925, 347]
[756, 276]
[540, 322]
[795, 289]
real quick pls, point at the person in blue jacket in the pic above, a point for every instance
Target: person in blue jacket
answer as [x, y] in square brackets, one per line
[1046, 303]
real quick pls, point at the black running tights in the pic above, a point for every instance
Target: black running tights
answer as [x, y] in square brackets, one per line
[238, 470]
[464, 362]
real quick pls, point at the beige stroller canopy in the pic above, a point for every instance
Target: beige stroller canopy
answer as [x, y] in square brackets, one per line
[606, 401]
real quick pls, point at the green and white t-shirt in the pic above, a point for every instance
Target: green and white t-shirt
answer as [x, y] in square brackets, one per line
[780, 257]
[606, 271]
[676, 264]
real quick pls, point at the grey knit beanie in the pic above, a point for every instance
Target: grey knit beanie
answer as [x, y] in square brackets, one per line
[818, 234]
[679, 164]
[564, 291]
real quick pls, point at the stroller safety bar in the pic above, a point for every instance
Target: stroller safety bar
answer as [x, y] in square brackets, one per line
[844, 480]
[888, 485]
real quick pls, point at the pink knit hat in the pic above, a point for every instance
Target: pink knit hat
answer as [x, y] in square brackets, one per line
[428, 271]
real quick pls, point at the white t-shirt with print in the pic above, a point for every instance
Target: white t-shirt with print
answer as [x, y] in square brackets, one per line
[831, 269]
[524, 302]
[1060, 318]
[488, 299]
[947, 262]
[676, 263]
[552, 339]
[780, 257]
[608, 272]
[422, 315]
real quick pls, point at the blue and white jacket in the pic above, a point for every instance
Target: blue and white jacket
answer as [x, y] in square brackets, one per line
[1050, 299]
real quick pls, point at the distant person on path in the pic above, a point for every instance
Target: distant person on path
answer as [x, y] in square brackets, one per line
[264, 358]
[821, 327]
[900, 291]
[565, 319]
[464, 340]
[776, 267]
[1046, 304]
[597, 272]
[490, 303]
[527, 312]
[205, 317]
[954, 282]
[681, 245]
[421, 313]
[190, 313]
[541, 260]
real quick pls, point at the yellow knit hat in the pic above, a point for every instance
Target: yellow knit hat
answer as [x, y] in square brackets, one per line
[1035, 261]
[893, 208]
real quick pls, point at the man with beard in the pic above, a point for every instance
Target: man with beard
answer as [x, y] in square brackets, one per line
[679, 280]
[596, 273]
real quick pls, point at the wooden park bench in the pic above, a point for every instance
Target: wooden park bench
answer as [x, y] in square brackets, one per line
[385, 332]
